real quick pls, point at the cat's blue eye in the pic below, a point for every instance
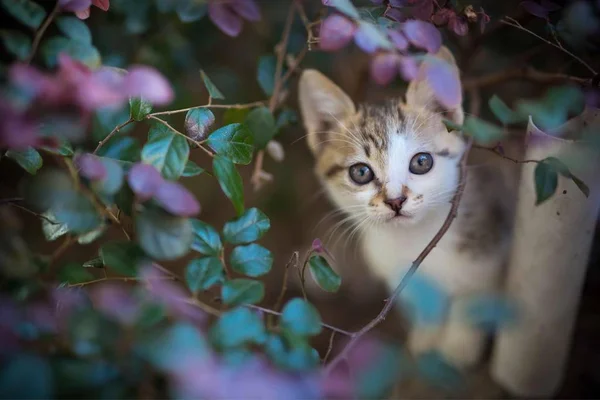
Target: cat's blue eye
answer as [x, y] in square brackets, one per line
[421, 163]
[361, 173]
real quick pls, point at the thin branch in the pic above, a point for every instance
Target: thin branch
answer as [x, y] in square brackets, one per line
[40, 32]
[210, 105]
[293, 261]
[323, 324]
[497, 152]
[111, 134]
[14, 204]
[526, 73]
[165, 123]
[389, 302]
[329, 347]
[120, 279]
[514, 23]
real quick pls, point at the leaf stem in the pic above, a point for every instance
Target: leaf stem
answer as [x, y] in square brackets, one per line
[165, 123]
[111, 134]
[40, 32]
[210, 105]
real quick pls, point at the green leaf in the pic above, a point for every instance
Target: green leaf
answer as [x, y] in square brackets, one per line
[181, 341]
[210, 86]
[554, 108]
[267, 66]
[51, 227]
[95, 262]
[323, 274]
[27, 12]
[191, 169]
[502, 111]
[242, 291]
[191, 11]
[237, 327]
[345, 7]
[261, 124]
[74, 28]
[235, 115]
[163, 236]
[17, 43]
[230, 181]
[124, 257]
[150, 315]
[482, 131]
[77, 212]
[203, 273]
[234, 142]
[286, 117]
[139, 108]
[124, 148]
[249, 227]
[106, 119]
[546, 181]
[91, 236]
[197, 122]
[64, 149]
[73, 273]
[166, 150]
[29, 159]
[85, 53]
[251, 260]
[301, 318]
[206, 239]
[581, 185]
[301, 357]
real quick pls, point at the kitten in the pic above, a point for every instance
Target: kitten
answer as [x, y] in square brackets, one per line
[395, 168]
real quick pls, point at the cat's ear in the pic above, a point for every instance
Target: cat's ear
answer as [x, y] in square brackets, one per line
[322, 104]
[420, 94]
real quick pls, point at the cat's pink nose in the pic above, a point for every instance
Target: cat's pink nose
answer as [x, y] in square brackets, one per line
[396, 204]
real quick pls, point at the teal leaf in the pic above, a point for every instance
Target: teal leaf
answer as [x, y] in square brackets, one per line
[166, 150]
[300, 357]
[197, 122]
[286, 117]
[139, 108]
[581, 185]
[92, 235]
[483, 132]
[27, 12]
[77, 212]
[554, 108]
[343, 6]
[106, 119]
[249, 227]
[64, 149]
[190, 11]
[52, 228]
[251, 260]
[211, 88]
[235, 115]
[242, 291]
[267, 66]
[230, 181]
[502, 112]
[546, 181]
[323, 274]
[237, 327]
[124, 148]
[203, 273]
[261, 124]
[25, 375]
[191, 169]
[29, 159]
[382, 370]
[85, 53]
[234, 142]
[74, 273]
[125, 258]
[489, 312]
[17, 43]
[113, 180]
[75, 29]
[301, 318]
[163, 236]
[206, 239]
[150, 315]
[438, 372]
[182, 341]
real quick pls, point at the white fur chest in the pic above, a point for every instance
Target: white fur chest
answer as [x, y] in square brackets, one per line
[390, 251]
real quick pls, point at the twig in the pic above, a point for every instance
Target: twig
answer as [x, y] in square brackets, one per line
[323, 324]
[165, 123]
[293, 260]
[329, 347]
[120, 279]
[68, 242]
[528, 73]
[111, 134]
[40, 32]
[13, 204]
[514, 23]
[389, 302]
[499, 154]
[210, 105]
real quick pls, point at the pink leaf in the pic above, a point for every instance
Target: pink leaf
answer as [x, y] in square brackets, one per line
[535, 9]
[408, 68]
[74, 5]
[144, 180]
[395, 14]
[226, 20]
[84, 14]
[247, 9]
[423, 34]
[384, 68]
[176, 199]
[90, 167]
[146, 82]
[102, 4]
[398, 39]
[336, 32]
[442, 16]
[458, 26]
[444, 82]
[115, 300]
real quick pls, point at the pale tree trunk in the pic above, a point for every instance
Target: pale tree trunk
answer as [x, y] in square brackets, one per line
[552, 243]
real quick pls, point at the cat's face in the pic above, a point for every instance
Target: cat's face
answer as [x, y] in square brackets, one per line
[394, 163]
